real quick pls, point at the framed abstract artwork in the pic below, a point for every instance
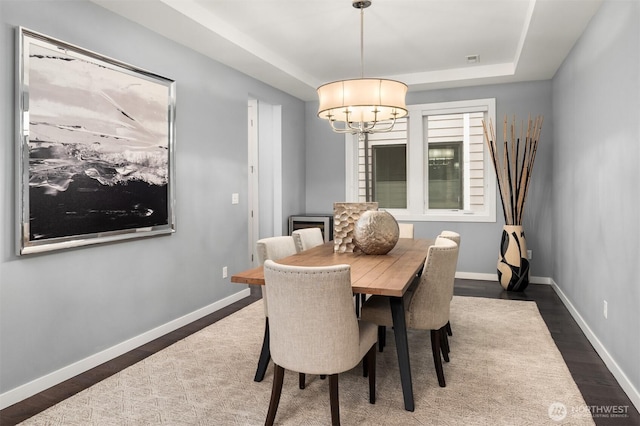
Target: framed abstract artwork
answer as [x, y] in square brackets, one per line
[95, 154]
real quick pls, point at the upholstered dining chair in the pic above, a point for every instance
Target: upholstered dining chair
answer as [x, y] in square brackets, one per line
[314, 329]
[307, 238]
[273, 248]
[427, 306]
[454, 236]
[406, 230]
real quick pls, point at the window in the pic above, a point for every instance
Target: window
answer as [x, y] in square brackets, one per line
[389, 174]
[445, 176]
[433, 165]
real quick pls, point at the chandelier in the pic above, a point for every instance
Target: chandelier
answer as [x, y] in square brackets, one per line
[364, 105]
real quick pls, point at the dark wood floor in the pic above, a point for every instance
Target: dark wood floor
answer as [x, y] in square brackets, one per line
[598, 386]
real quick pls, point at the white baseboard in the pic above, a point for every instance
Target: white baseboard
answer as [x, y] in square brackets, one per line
[476, 276]
[494, 277]
[611, 364]
[40, 384]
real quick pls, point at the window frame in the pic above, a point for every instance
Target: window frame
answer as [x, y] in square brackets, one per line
[417, 166]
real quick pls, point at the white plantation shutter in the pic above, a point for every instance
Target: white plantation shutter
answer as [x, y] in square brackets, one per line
[465, 128]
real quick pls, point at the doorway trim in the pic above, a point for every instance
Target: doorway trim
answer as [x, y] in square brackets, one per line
[264, 173]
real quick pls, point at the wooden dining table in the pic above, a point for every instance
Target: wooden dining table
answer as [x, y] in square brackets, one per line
[386, 275]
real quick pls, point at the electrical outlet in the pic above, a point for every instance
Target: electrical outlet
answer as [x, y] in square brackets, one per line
[529, 254]
[224, 272]
[235, 198]
[605, 310]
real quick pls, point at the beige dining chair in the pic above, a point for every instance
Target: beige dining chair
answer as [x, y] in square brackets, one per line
[406, 230]
[428, 305]
[314, 329]
[454, 236]
[307, 238]
[273, 248]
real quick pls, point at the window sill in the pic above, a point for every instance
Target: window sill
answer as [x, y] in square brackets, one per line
[459, 217]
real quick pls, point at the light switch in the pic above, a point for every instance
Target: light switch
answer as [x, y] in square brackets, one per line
[235, 198]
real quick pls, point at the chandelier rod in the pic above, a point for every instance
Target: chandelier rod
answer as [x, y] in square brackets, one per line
[362, 40]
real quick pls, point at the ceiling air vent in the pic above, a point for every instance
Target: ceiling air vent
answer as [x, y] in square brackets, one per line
[473, 59]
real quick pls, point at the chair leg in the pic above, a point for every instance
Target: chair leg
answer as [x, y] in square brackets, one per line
[382, 337]
[360, 299]
[449, 332]
[265, 354]
[365, 366]
[371, 367]
[444, 344]
[334, 400]
[301, 380]
[435, 348]
[276, 390]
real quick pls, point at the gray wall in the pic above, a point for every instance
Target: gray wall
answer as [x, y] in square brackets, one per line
[596, 188]
[58, 308]
[480, 241]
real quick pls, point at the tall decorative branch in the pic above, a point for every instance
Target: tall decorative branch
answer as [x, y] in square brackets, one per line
[514, 171]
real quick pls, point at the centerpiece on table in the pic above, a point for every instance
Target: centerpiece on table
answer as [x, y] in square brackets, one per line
[514, 175]
[376, 232]
[362, 227]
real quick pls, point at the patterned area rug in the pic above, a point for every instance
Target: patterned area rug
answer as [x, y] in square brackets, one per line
[505, 370]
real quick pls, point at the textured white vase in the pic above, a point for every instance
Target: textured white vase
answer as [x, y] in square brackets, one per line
[345, 216]
[376, 232]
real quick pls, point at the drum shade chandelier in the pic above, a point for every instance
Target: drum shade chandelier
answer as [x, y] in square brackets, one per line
[364, 105]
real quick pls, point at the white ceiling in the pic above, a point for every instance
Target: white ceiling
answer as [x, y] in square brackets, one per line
[297, 45]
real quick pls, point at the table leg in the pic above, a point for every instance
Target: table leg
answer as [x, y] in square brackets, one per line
[402, 347]
[265, 354]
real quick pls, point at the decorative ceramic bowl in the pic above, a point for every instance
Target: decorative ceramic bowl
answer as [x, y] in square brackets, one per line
[376, 232]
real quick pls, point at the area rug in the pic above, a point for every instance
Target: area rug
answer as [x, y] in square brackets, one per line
[505, 370]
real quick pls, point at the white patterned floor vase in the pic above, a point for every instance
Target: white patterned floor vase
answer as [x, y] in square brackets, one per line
[513, 265]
